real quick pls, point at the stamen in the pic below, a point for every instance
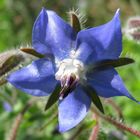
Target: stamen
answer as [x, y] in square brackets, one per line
[70, 80]
[70, 72]
[68, 84]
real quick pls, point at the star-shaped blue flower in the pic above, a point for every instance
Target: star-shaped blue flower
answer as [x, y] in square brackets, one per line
[69, 56]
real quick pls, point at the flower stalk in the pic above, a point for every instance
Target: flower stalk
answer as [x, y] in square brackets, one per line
[116, 123]
[96, 128]
[18, 120]
[116, 107]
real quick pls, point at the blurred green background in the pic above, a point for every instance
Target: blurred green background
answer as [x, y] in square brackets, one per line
[16, 21]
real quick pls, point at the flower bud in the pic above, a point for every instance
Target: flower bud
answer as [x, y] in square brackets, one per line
[9, 60]
[132, 29]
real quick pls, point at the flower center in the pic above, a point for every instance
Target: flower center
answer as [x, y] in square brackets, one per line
[68, 67]
[70, 72]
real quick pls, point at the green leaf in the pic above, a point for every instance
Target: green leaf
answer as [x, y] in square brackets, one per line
[32, 52]
[114, 63]
[53, 97]
[94, 97]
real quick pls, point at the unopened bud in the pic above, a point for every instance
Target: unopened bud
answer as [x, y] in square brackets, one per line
[134, 22]
[9, 60]
[132, 29]
[136, 35]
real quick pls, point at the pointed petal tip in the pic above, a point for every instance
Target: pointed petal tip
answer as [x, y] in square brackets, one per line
[117, 13]
[137, 101]
[132, 98]
[47, 11]
[43, 9]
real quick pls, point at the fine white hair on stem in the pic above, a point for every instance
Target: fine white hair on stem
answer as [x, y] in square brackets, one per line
[82, 18]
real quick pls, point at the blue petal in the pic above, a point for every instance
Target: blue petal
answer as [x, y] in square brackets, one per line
[108, 83]
[52, 35]
[73, 109]
[102, 42]
[36, 79]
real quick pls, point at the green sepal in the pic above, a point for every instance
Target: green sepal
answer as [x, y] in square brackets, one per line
[94, 97]
[31, 51]
[113, 63]
[53, 97]
[74, 21]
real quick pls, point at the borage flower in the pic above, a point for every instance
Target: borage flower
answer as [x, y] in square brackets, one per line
[80, 62]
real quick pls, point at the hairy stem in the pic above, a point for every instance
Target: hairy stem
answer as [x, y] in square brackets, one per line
[96, 128]
[116, 123]
[18, 120]
[116, 107]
